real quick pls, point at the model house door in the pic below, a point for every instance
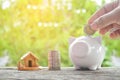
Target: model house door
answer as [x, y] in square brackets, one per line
[30, 63]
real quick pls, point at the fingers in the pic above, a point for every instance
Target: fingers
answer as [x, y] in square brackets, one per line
[108, 28]
[106, 19]
[115, 34]
[107, 8]
[103, 31]
[113, 29]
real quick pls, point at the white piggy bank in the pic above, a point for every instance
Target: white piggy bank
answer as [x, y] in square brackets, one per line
[86, 52]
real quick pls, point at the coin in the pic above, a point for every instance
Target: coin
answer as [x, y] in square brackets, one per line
[88, 30]
[54, 60]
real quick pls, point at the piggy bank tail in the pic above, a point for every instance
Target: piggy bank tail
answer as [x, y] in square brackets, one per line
[80, 49]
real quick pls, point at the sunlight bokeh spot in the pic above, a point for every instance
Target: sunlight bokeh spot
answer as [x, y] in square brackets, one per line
[55, 24]
[39, 24]
[45, 24]
[84, 10]
[28, 6]
[69, 5]
[5, 4]
[34, 7]
[77, 11]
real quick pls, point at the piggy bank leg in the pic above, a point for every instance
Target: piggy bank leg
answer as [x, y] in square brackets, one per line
[93, 68]
[99, 66]
[77, 67]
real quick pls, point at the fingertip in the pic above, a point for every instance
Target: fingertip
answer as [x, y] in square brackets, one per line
[94, 26]
[113, 36]
[89, 22]
[102, 33]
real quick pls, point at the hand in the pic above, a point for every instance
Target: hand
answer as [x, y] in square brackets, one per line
[107, 19]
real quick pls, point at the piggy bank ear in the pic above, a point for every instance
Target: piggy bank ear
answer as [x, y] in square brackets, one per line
[99, 39]
[71, 39]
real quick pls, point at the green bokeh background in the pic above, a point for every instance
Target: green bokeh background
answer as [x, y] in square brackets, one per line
[43, 25]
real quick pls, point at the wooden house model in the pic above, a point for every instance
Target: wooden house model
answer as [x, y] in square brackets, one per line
[28, 62]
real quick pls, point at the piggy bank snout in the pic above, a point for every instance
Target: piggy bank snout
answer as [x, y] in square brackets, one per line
[80, 49]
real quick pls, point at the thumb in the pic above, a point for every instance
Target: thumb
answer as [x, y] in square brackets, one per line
[106, 19]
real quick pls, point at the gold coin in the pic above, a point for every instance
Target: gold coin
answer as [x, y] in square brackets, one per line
[54, 60]
[88, 30]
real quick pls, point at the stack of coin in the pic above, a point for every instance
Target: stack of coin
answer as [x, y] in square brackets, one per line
[54, 60]
[88, 30]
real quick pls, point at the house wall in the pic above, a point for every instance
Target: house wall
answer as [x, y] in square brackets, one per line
[26, 61]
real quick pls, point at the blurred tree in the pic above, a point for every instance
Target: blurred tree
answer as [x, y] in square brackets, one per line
[43, 25]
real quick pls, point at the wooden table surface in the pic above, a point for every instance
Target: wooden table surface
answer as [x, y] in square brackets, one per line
[66, 73]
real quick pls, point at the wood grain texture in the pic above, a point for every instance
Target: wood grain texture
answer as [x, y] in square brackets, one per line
[66, 73]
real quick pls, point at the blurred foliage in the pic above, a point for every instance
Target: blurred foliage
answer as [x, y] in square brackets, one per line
[43, 25]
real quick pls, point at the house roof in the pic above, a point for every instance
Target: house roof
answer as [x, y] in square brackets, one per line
[28, 54]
